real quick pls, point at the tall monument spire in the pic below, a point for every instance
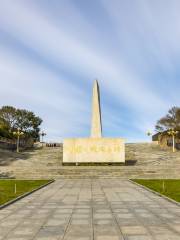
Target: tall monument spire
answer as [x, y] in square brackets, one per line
[96, 127]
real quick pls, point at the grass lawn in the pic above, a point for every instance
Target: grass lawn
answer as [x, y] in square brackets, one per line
[170, 187]
[8, 188]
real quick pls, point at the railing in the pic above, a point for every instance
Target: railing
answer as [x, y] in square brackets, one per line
[53, 144]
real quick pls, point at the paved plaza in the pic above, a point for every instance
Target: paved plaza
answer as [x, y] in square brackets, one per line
[100, 209]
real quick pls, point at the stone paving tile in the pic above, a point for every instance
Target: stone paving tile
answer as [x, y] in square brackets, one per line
[91, 209]
[139, 237]
[133, 230]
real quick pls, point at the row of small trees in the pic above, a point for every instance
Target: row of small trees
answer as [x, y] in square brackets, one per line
[13, 119]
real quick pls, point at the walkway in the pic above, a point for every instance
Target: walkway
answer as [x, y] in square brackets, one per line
[88, 209]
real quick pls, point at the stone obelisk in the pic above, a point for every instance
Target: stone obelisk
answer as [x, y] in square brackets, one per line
[96, 148]
[96, 125]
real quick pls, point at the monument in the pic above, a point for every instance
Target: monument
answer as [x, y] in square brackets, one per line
[95, 149]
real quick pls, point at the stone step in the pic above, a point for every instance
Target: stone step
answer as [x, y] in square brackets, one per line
[148, 159]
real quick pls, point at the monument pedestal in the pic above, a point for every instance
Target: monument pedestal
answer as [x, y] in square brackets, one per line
[94, 150]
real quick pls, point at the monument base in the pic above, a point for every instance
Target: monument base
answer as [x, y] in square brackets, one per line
[94, 150]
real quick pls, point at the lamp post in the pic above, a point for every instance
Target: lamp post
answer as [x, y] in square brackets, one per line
[18, 133]
[42, 134]
[173, 133]
[149, 133]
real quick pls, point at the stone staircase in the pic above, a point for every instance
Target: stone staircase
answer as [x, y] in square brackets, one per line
[143, 160]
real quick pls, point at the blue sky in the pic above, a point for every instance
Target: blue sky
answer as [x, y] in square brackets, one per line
[51, 52]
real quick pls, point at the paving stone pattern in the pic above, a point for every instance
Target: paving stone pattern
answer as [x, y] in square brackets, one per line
[91, 209]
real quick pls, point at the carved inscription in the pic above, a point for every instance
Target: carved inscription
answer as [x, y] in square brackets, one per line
[93, 149]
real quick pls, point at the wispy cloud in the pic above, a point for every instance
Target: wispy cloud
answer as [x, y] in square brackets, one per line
[60, 51]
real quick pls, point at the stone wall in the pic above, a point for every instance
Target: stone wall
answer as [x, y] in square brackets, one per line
[7, 144]
[10, 144]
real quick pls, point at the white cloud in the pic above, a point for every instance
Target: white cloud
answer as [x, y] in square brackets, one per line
[58, 42]
[27, 83]
[38, 33]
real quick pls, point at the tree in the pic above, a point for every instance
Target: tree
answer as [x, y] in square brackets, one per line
[4, 129]
[12, 119]
[28, 123]
[8, 116]
[171, 120]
